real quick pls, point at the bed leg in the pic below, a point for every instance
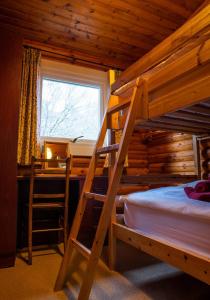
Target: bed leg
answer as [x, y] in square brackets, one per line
[112, 242]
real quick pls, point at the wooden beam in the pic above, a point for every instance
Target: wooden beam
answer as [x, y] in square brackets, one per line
[161, 178]
[170, 127]
[180, 122]
[191, 89]
[196, 53]
[199, 109]
[184, 115]
[188, 261]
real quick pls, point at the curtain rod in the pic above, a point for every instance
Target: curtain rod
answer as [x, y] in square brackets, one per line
[71, 59]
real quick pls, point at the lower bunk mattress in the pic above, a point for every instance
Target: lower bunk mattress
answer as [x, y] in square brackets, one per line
[168, 214]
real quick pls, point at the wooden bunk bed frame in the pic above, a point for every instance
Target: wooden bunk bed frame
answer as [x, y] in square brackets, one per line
[176, 97]
[171, 91]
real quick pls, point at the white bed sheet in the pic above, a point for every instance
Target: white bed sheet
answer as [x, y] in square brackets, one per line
[169, 214]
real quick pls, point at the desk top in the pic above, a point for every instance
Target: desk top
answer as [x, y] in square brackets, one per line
[51, 177]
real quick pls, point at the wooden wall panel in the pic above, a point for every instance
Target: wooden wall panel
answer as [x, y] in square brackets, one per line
[10, 74]
[137, 155]
[205, 158]
[171, 153]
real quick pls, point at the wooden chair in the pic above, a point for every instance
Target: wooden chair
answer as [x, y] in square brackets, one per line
[47, 201]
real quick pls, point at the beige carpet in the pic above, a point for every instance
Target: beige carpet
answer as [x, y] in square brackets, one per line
[139, 277]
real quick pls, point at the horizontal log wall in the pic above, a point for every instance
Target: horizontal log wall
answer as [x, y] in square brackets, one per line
[205, 158]
[153, 152]
[137, 162]
[170, 153]
[137, 154]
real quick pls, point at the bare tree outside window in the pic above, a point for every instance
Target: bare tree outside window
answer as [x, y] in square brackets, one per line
[69, 110]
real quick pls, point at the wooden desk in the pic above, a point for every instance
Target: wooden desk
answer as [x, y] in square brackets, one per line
[47, 183]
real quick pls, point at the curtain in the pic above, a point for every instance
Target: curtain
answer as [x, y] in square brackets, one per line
[28, 120]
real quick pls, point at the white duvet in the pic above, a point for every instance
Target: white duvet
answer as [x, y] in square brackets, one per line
[168, 214]
[171, 199]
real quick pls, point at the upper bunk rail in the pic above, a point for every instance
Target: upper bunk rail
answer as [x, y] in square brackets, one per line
[191, 29]
[157, 179]
[193, 55]
[180, 84]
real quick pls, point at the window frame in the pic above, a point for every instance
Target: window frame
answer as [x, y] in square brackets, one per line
[63, 72]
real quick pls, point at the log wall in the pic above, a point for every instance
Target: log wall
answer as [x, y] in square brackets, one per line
[205, 158]
[137, 158]
[153, 152]
[170, 153]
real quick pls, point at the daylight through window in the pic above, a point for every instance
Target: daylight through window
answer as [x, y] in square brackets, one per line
[70, 110]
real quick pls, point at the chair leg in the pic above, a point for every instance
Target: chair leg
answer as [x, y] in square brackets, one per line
[65, 232]
[30, 236]
[112, 244]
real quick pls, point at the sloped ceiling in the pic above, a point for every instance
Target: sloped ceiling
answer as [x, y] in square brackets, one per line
[114, 33]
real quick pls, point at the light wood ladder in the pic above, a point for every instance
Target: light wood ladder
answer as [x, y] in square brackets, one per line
[93, 255]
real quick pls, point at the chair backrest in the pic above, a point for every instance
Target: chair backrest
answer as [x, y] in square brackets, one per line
[38, 168]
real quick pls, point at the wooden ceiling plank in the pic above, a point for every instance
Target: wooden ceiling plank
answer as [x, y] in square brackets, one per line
[78, 29]
[47, 10]
[118, 30]
[177, 15]
[44, 39]
[95, 20]
[105, 13]
[138, 13]
[111, 49]
[172, 6]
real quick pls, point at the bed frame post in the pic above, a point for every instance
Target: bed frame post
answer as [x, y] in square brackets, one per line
[196, 150]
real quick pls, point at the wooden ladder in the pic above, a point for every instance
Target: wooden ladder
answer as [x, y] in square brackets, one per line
[93, 255]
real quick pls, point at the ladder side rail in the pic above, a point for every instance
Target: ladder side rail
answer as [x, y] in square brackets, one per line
[112, 191]
[111, 238]
[61, 278]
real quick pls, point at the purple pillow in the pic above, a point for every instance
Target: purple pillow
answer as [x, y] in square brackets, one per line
[191, 193]
[202, 186]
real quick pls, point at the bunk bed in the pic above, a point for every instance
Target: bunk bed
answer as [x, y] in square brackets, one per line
[169, 88]
[176, 96]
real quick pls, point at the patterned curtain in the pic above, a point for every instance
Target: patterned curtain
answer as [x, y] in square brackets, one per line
[28, 121]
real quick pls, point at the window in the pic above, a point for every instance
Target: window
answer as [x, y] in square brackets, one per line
[70, 110]
[72, 104]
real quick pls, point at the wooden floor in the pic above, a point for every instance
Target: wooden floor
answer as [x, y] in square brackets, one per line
[139, 277]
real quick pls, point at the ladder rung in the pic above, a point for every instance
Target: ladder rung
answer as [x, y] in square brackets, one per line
[108, 149]
[48, 229]
[81, 248]
[99, 197]
[48, 205]
[118, 107]
[48, 196]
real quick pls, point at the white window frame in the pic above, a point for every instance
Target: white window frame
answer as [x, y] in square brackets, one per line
[59, 71]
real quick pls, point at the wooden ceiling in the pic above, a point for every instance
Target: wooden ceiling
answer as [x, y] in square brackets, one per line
[113, 33]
